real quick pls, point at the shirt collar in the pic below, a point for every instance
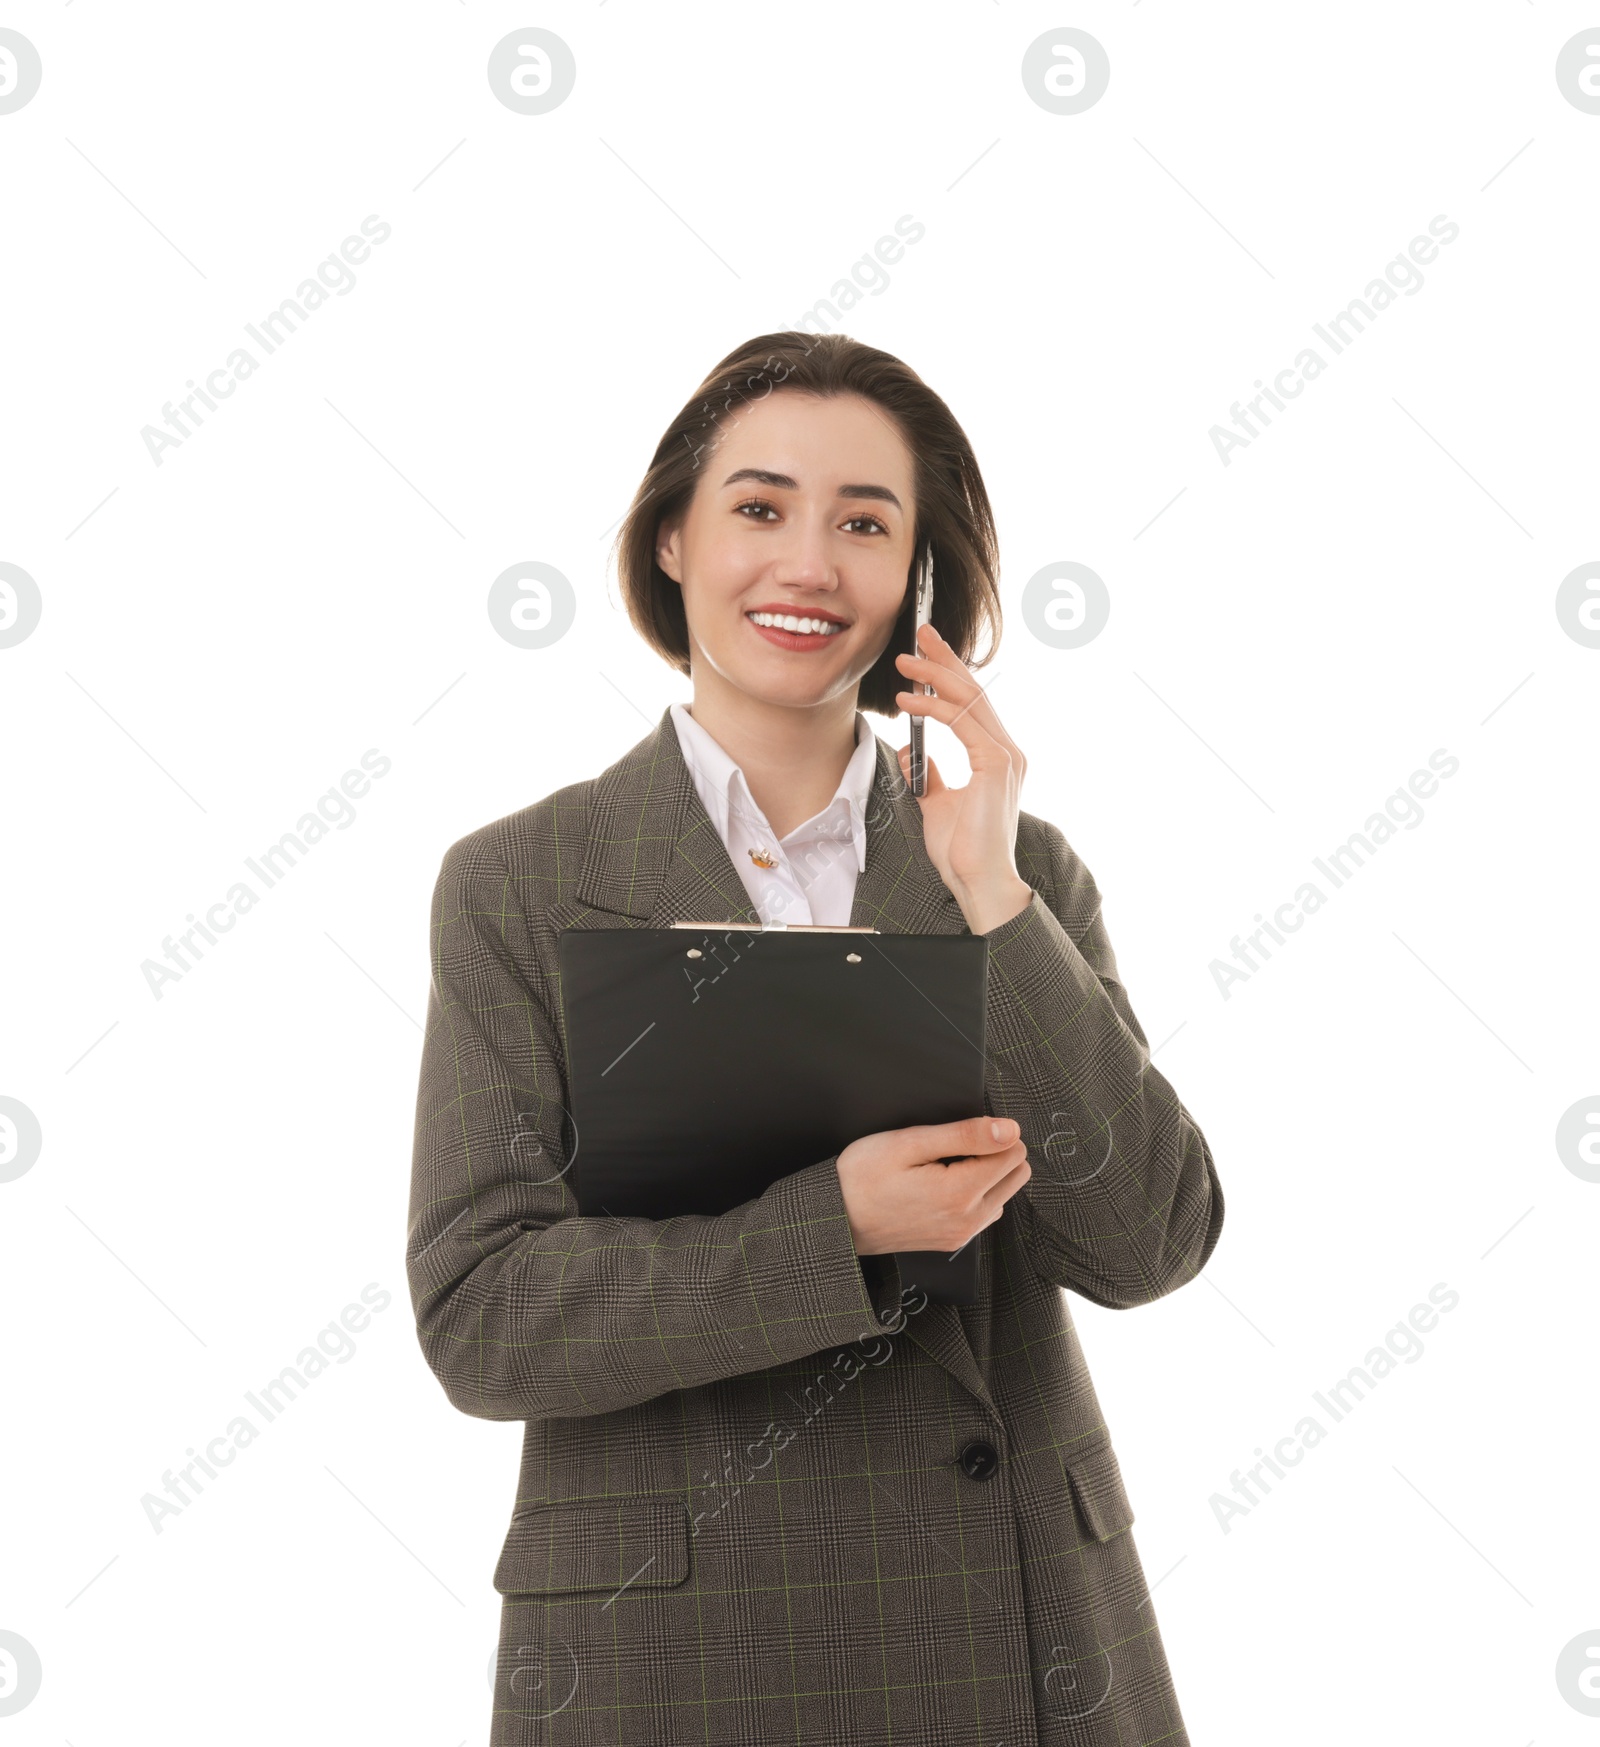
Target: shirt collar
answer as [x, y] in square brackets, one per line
[715, 775]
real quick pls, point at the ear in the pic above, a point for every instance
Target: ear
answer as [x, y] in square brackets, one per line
[667, 551]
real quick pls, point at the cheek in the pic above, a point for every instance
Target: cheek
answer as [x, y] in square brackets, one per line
[708, 605]
[885, 616]
[715, 567]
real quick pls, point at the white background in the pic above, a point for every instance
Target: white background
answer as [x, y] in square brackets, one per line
[1291, 635]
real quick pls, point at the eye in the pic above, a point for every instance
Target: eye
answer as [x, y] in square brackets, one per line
[760, 503]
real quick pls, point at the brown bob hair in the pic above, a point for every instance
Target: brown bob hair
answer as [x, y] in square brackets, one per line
[952, 506]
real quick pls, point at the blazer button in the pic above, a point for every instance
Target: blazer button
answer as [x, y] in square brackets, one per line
[979, 1461]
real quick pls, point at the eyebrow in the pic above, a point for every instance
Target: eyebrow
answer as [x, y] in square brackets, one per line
[782, 482]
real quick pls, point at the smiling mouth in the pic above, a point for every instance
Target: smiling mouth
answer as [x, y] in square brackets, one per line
[796, 624]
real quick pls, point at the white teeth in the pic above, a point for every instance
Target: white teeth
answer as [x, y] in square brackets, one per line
[791, 622]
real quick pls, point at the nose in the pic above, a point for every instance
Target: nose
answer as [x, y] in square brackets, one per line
[804, 561]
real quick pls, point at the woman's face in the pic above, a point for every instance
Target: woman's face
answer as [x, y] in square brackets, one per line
[803, 513]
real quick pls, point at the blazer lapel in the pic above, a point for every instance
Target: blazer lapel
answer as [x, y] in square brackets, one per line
[899, 891]
[654, 857]
[653, 853]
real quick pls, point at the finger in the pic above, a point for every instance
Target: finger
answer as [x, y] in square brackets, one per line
[938, 664]
[975, 1136]
[957, 683]
[994, 1202]
[983, 1176]
[944, 676]
[1009, 1184]
[984, 743]
[932, 643]
[956, 688]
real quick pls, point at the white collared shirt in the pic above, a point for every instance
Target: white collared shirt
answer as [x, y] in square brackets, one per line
[808, 876]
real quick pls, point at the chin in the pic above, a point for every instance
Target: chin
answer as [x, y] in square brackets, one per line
[792, 690]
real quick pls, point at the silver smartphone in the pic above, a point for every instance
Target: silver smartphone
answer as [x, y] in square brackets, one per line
[924, 613]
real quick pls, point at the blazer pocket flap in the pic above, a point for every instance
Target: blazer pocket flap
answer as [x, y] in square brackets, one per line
[1097, 1490]
[563, 1547]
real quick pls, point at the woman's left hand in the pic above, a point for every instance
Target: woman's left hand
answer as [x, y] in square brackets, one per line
[970, 833]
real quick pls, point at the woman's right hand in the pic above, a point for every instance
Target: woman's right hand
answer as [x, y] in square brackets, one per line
[899, 1196]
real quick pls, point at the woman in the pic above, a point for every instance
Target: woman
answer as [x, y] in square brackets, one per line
[767, 1495]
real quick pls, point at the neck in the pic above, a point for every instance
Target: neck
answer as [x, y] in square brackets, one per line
[793, 759]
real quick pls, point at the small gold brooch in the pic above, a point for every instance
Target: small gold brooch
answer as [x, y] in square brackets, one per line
[763, 858]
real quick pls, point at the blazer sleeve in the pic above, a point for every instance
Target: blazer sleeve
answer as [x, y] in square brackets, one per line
[1124, 1204]
[526, 1309]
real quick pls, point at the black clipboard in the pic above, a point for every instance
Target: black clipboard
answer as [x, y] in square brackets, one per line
[707, 1061]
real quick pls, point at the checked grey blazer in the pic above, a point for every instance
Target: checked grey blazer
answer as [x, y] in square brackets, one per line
[766, 1496]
